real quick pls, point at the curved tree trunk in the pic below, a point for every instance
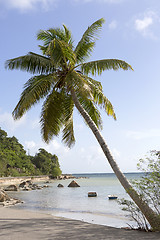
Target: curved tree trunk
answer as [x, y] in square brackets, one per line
[150, 215]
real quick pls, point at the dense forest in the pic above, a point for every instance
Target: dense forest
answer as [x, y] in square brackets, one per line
[15, 162]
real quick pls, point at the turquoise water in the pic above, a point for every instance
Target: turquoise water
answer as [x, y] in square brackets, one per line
[74, 202]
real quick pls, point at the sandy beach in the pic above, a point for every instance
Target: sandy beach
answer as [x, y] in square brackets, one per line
[18, 224]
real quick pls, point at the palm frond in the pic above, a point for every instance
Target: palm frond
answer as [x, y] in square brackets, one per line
[32, 62]
[35, 89]
[68, 35]
[61, 52]
[92, 82]
[55, 33]
[78, 82]
[100, 99]
[68, 132]
[91, 109]
[99, 66]
[48, 35]
[52, 115]
[92, 89]
[87, 42]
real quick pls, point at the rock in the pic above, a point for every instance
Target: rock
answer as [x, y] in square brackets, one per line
[73, 184]
[3, 196]
[60, 185]
[29, 182]
[11, 202]
[25, 183]
[26, 188]
[11, 188]
[22, 184]
[92, 194]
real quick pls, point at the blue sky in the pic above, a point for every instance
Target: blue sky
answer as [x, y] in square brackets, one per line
[131, 33]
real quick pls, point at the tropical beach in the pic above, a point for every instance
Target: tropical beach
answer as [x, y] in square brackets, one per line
[49, 214]
[21, 224]
[66, 79]
[74, 203]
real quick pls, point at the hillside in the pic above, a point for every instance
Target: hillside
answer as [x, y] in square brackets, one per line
[15, 162]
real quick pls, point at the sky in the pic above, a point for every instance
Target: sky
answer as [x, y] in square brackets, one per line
[131, 33]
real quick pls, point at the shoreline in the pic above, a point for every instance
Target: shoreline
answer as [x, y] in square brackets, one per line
[24, 224]
[17, 180]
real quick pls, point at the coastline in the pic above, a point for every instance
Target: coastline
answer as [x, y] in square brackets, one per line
[17, 180]
[22, 224]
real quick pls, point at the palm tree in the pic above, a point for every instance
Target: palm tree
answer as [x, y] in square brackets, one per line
[64, 81]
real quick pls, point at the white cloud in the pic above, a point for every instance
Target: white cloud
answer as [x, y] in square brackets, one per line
[147, 24]
[54, 147]
[24, 5]
[137, 135]
[30, 144]
[142, 25]
[113, 25]
[8, 122]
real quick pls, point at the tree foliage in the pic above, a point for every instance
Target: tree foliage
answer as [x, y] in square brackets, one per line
[148, 188]
[61, 68]
[15, 162]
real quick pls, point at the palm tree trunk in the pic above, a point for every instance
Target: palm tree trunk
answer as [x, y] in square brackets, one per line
[150, 215]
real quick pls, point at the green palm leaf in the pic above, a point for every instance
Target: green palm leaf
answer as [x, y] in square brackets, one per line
[86, 44]
[103, 102]
[54, 33]
[32, 62]
[52, 115]
[61, 53]
[91, 109]
[68, 132]
[68, 35]
[79, 83]
[35, 89]
[99, 66]
[92, 82]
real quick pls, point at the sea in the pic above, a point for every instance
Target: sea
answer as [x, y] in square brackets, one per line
[74, 203]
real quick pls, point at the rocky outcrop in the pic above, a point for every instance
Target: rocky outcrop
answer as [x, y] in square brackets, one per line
[17, 180]
[3, 196]
[73, 184]
[29, 185]
[25, 184]
[5, 200]
[11, 188]
[65, 176]
[60, 185]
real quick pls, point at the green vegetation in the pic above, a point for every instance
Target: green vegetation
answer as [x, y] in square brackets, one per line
[15, 162]
[148, 188]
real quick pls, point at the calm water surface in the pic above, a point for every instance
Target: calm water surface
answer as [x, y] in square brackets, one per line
[74, 202]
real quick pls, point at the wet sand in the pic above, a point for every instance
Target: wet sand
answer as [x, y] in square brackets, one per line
[16, 224]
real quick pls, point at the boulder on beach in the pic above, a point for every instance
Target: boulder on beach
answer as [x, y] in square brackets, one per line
[22, 184]
[11, 188]
[25, 184]
[3, 196]
[73, 184]
[29, 182]
[60, 185]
